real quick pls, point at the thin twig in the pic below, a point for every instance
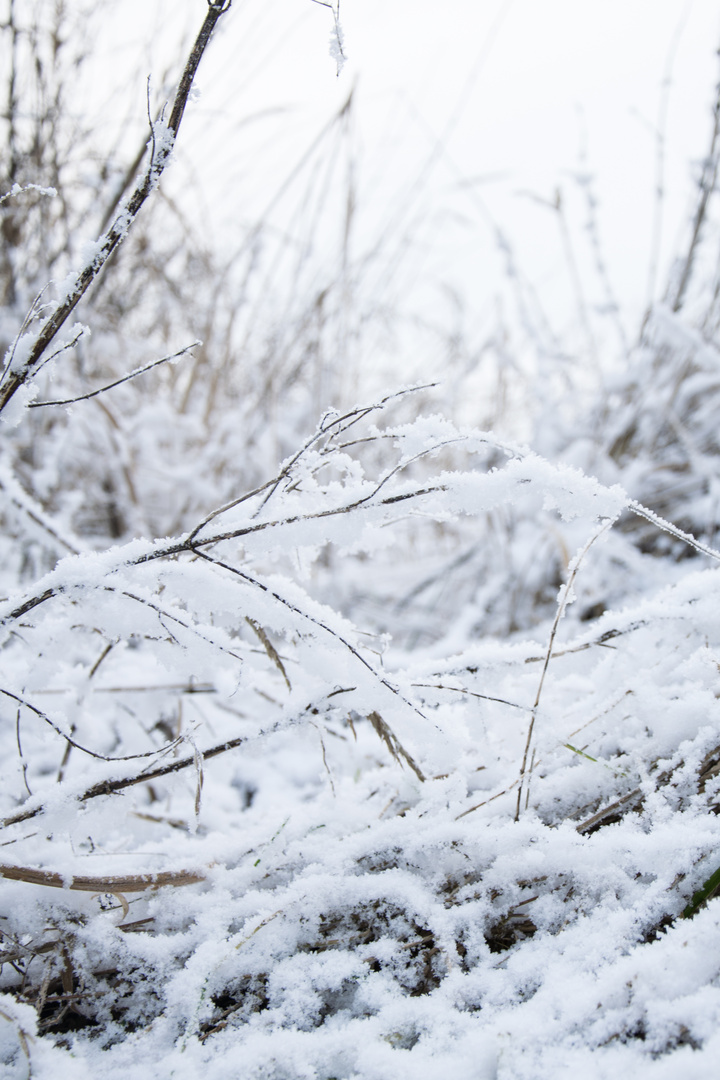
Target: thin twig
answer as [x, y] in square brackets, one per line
[113, 786]
[269, 649]
[564, 600]
[607, 811]
[660, 141]
[673, 530]
[111, 386]
[338, 637]
[708, 180]
[68, 738]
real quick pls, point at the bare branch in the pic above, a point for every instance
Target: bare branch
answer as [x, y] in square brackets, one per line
[563, 601]
[707, 185]
[119, 885]
[84, 749]
[111, 386]
[113, 786]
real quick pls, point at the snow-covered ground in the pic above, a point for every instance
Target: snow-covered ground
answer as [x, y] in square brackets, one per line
[379, 880]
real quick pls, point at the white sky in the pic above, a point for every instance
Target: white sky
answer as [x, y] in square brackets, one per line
[487, 100]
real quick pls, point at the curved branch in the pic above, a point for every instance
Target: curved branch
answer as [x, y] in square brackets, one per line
[78, 746]
[117, 382]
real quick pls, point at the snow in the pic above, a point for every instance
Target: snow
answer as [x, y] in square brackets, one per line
[388, 926]
[399, 757]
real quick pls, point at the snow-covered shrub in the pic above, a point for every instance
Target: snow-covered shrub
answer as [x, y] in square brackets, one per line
[399, 757]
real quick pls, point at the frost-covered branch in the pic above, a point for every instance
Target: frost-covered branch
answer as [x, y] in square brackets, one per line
[462, 492]
[27, 351]
[117, 382]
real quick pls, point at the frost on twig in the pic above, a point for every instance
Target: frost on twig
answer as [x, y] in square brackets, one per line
[16, 190]
[337, 43]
